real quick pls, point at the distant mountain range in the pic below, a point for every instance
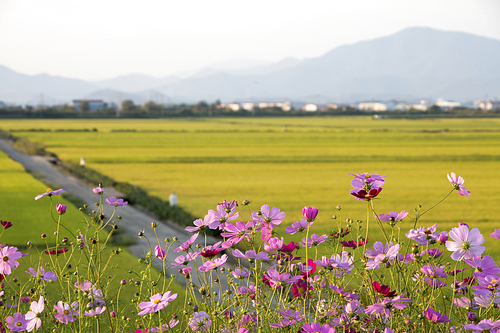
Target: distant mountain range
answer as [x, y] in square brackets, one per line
[411, 64]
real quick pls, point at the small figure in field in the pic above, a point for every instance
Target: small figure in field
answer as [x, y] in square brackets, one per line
[82, 161]
[173, 199]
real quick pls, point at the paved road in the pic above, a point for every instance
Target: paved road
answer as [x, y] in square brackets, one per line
[133, 219]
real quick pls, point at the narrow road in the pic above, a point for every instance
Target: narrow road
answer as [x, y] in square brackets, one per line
[133, 219]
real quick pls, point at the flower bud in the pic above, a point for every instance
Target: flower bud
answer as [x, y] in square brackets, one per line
[140, 234]
[310, 213]
[123, 282]
[61, 209]
[471, 316]
[43, 235]
[154, 224]
[245, 202]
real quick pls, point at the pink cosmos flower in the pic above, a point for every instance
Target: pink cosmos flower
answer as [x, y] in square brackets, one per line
[317, 328]
[495, 234]
[483, 325]
[211, 251]
[95, 312]
[33, 316]
[393, 216]
[457, 183]
[381, 254]
[274, 244]
[165, 327]
[160, 253]
[383, 289]
[221, 216]
[66, 313]
[9, 254]
[157, 302]
[187, 244]
[237, 232]
[278, 280]
[209, 265]
[314, 241]
[40, 273]
[251, 255]
[184, 260]
[345, 294]
[17, 323]
[287, 248]
[353, 244]
[466, 244]
[200, 224]
[485, 265]
[366, 186]
[185, 271]
[424, 235]
[116, 202]
[200, 321]
[387, 305]
[310, 213]
[54, 252]
[98, 190]
[49, 193]
[266, 215]
[240, 273]
[298, 226]
[435, 316]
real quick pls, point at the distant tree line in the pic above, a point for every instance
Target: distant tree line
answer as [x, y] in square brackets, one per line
[128, 109]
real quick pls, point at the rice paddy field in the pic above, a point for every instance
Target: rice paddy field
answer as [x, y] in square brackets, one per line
[293, 162]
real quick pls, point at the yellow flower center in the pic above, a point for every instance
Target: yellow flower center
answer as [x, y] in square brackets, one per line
[19, 323]
[156, 301]
[49, 190]
[66, 312]
[367, 176]
[494, 281]
[213, 265]
[5, 259]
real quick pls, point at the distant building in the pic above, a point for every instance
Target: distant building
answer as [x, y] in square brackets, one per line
[371, 106]
[247, 106]
[94, 104]
[487, 105]
[2, 105]
[232, 106]
[310, 108]
[447, 104]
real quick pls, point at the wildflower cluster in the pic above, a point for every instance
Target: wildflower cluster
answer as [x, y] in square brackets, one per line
[253, 280]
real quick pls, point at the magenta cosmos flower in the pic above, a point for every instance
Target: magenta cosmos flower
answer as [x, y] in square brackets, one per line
[17, 323]
[458, 183]
[9, 255]
[33, 316]
[49, 193]
[366, 186]
[156, 303]
[277, 280]
[116, 202]
[466, 244]
[5, 224]
[160, 252]
[61, 209]
[435, 316]
[310, 213]
[66, 313]
[317, 328]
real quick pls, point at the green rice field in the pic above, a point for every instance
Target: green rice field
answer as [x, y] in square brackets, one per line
[292, 162]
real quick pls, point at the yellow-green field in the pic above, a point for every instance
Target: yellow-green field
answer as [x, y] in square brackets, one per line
[208, 160]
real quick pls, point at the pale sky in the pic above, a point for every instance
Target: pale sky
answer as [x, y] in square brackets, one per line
[100, 39]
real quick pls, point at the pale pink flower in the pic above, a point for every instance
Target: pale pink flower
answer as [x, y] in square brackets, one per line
[200, 321]
[298, 226]
[34, 315]
[209, 265]
[457, 183]
[314, 241]
[116, 202]
[41, 274]
[49, 193]
[95, 312]
[466, 244]
[187, 244]
[200, 224]
[251, 255]
[156, 303]
[65, 312]
[9, 256]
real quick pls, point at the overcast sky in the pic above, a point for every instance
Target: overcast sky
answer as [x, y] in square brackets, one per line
[99, 39]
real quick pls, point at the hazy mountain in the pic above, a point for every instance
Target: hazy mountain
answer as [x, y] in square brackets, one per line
[21, 88]
[413, 63]
[416, 62]
[135, 82]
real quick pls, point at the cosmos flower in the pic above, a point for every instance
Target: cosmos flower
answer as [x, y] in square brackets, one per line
[485, 265]
[160, 253]
[251, 255]
[466, 244]
[483, 325]
[61, 209]
[267, 215]
[383, 289]
[200, 224]
[387, 305]
[314, 241]
[49, 193]
[209, 265]
[5, 224]
[17, 323]
[310, 213]
[98, 190]
[200, 321]
[495, 234]
[298, 226]
[277, 280]
[366, 186]
[40, 273]
[33, 316]
[65, 312]
[274, 244]
[156, 303]
[392, 216]
[9, 255]
[187, 244]
[457, 183]
[116, 202]
[317, 328]
[95, 312]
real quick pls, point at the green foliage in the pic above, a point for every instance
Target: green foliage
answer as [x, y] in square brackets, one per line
[29, 147]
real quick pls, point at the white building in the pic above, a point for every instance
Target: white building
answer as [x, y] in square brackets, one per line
[371, 106]
[310, 108]
[447, 104]
[247, 106]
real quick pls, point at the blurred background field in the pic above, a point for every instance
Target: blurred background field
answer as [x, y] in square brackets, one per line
[291, 162]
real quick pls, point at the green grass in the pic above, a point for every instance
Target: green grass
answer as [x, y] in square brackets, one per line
[208, 160]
